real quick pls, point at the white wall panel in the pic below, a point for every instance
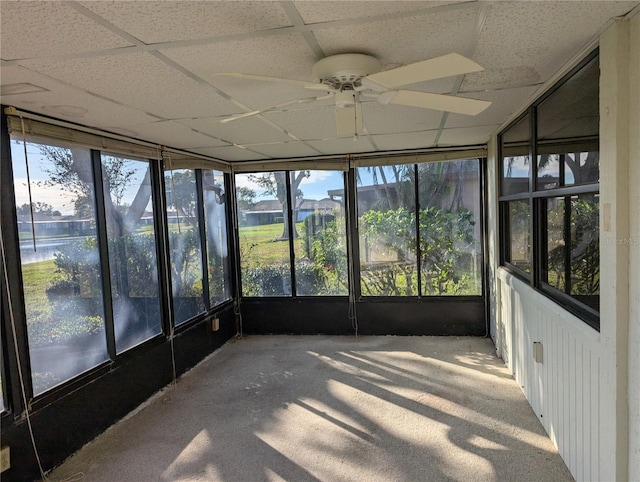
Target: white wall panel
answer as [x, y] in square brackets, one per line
[564, 389]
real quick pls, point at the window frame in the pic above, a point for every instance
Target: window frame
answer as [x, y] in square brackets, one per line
[537, 197]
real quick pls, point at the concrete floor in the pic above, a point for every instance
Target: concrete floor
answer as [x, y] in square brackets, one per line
[327, 408]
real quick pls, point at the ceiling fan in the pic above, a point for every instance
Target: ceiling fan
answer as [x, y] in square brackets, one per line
[348, 77]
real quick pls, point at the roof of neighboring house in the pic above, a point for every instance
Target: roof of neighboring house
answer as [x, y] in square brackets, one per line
[273, 205]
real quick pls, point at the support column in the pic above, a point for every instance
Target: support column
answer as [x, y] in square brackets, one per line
[614, 252]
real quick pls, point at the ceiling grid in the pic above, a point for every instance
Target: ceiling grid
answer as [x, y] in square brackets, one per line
[152, 69]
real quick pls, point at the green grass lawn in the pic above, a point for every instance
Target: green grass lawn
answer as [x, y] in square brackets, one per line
[37, 277]
[261, 245]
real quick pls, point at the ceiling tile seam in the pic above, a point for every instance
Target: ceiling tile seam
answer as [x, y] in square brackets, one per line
[472, 43]
[294, 16]
[103, 22]
[229, 143]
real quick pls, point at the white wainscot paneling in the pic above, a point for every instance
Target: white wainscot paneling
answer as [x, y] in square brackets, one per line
[564, 389]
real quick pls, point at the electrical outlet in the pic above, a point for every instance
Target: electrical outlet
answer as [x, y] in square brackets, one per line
[5, 458]
[215, 324]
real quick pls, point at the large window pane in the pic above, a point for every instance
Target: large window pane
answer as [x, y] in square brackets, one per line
[184, 244]
[132, 250]
[519, 236]
[320, 242]
[554, 273]
[61, 274]
[516, 158]
[585, 249]
[387, 230]
[218, 268]
[568, 124]
[264, 234]
[450, 227]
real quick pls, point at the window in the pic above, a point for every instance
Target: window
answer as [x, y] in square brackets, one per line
[264, 234]
[199, 257]
[447, 260]
[450, 227]
[516, 179]
[562, 189]
[387, 230]
[299, 215]
[60, 261]
[132, 250]
[185, 245]
[215, 213]
[319, 223]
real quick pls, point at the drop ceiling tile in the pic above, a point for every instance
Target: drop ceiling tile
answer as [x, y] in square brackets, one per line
[388, 119]
[165, 21]
[67, 103]
[285, 150]
[45, 29]
[277, 56]
[315, 12]
[466, 135]
[313, 123]
[407, 140]
[505, 77]
[344, 145]
[141, 81]
[403, 40]
[504, 103]
[174, 134]
[541, 35]
[258, 94]
[230, 153]
[251, 130]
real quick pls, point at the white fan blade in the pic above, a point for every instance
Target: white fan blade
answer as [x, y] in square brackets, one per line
[349, 120]
[301, 83]
[230, 118]
[436, 68]
[427, 100]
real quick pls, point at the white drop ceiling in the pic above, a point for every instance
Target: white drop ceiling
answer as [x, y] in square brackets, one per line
[146, 69]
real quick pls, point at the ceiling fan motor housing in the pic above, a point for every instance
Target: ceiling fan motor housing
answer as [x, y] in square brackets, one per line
[344, 71]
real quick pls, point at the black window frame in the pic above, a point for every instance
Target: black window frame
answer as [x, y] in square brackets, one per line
[11, 380]
[537, 197]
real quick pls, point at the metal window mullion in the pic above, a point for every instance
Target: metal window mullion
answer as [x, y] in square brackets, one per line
[567, 244]
[416, 193]
[103, 249]
[202, 231]
[161, 232]
[534, 224]
[292, 259]
[484, 242]
[353, 238]
[12, 289]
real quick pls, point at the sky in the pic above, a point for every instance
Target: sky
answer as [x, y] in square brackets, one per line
[313, 187]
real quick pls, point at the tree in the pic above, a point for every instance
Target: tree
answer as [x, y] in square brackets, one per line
[182, 195]
[274, 184]
[71, 170]
[245, 198]
[38, 208]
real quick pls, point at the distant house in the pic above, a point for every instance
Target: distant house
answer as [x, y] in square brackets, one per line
[45, 225]
[270, 211]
